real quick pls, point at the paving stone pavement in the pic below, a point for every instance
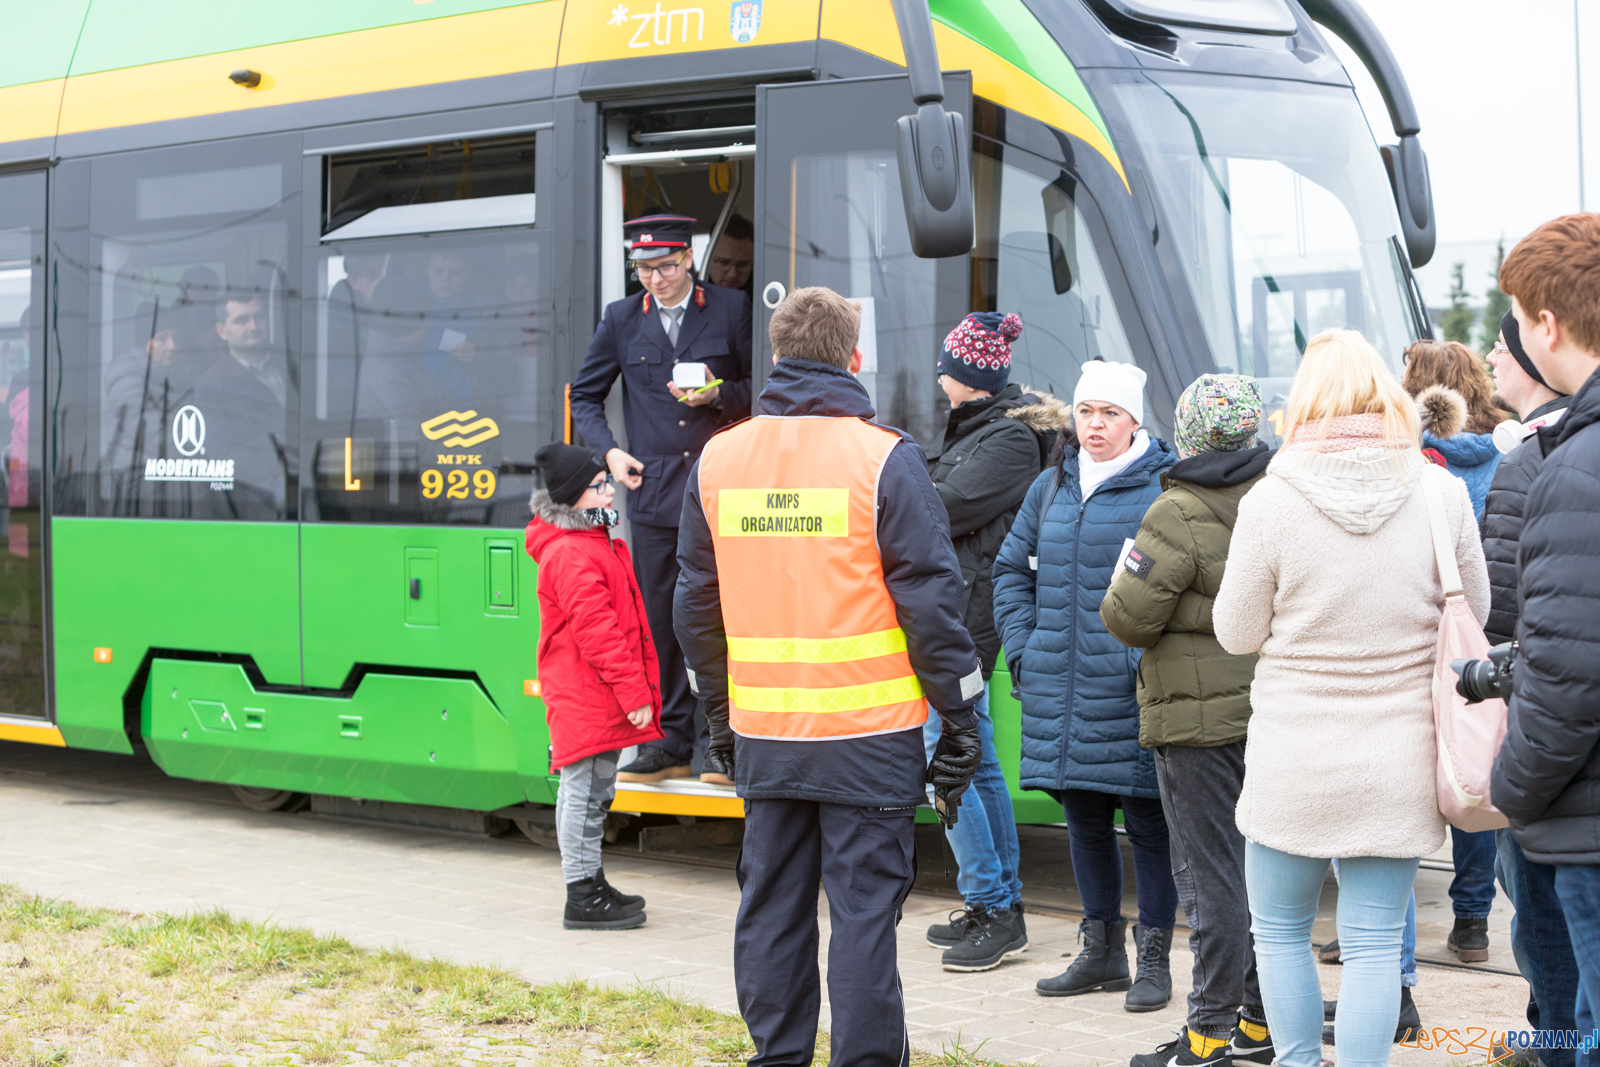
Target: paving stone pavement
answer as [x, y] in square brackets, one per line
[188, 846]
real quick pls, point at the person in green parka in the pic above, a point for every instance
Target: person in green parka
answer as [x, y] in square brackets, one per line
[1194, 707]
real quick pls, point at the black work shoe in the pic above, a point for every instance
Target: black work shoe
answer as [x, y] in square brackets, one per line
[1405, 1028]
[591, 907]
[1179, 1053]
[1329, 953]
[949, 934]
[1243, 1048]
[1469, 940]
[1102, 963]
[625, 901]
[653, 765]
[991, 937]
[1152, 984]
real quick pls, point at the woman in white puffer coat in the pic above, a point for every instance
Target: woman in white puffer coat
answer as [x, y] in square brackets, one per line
[1331, 577]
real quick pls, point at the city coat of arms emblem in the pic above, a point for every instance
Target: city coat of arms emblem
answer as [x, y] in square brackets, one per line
[745, 22]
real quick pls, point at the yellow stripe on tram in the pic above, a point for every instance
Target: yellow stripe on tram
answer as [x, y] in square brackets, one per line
[816, 649]
[826, 701]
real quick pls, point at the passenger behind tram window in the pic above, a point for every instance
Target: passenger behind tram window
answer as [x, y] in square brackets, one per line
[242, 398]
[194, 321]
[732, 261]
[452, 339]
[143, 385]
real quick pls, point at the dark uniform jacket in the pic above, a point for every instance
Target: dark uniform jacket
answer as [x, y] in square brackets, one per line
[664, 435]
[1547, 776]
[1191, 691]
[920, 570]
[993, 449]
[1502, 526]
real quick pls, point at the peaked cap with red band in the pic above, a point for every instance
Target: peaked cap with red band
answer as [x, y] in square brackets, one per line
[651, 236]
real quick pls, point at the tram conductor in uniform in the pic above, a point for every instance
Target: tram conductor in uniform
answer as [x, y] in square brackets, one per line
[641, 339]
[818, 606]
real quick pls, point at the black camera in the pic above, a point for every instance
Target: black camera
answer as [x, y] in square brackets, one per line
[1483, 679]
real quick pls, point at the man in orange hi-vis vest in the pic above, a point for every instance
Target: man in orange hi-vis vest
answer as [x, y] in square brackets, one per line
[818, 607]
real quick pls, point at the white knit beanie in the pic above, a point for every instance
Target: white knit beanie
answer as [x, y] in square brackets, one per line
[1121, 384]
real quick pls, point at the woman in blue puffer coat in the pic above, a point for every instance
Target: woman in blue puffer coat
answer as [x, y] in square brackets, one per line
[1458, 409]
[1080, 714]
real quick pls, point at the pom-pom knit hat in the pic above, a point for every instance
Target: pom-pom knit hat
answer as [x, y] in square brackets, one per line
[1217, 413]
[978, 351]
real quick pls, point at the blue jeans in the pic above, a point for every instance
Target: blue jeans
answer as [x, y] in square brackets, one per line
[1373, 892]
[1097, 858]
[1408, 942]
[1579, 890]
[984, 838]
[1541, 944]
[1472, 889]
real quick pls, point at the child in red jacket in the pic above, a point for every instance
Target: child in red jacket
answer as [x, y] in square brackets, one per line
[597, 670]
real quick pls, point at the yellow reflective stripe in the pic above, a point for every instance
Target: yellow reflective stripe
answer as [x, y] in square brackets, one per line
[816, 649]
[824, 701]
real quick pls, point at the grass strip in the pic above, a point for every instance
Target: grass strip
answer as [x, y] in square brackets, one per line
[90, 986]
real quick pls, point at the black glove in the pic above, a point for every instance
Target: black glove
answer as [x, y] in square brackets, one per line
[719, 751]
[955, 761]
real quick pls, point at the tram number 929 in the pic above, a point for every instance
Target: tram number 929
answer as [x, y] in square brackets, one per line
[456, 484]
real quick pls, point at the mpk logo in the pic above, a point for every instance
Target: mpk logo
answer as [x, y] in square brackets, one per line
[455, 422]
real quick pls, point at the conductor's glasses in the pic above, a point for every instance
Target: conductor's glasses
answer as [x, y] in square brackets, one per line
[666, 270]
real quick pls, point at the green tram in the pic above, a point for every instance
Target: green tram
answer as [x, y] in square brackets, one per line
[300, 571]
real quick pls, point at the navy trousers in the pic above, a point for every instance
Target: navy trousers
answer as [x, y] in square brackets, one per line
[655, 564]
[866, 860]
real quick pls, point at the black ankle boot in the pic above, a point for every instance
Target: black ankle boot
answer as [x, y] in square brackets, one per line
[591, 907]
[1152, 986]
[1405, 1028]
[1102, 963]
[626, 901]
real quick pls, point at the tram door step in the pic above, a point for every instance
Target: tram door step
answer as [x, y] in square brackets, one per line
[698, 834]
[458, 820]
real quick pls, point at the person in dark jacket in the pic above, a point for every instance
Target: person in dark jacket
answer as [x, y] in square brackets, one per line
[994, 446]
[858, 617]
[1547, 775]
[640, 339]
[1080, 712]
[1539, 939]
[1194, 707]
[597, 670]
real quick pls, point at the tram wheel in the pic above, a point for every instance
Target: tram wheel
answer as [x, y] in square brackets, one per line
[539, 832]
[270, 799]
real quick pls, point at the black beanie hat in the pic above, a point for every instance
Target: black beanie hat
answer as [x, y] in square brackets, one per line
[1513, 335]
[567, 471]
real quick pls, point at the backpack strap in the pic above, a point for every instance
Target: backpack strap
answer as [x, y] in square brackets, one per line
[1443, 552]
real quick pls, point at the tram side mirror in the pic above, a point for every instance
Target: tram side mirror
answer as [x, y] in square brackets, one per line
[935, 181]
[1407, 165]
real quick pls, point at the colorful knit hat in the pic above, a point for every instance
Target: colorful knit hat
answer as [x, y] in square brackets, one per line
[1217, 413]
[978, 351]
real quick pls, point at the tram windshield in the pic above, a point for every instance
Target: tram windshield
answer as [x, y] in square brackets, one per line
[1280, 213]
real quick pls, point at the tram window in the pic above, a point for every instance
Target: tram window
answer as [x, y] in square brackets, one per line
[190, 375]
[1280, 216]
[428, 399]
[407, 189]
[850, 235]
[1037, 256]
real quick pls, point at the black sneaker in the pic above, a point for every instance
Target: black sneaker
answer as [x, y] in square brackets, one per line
[591, 907]
[949, 934]
[625, 901]
[1178, 1053]
[990, 938]
[1245, 1049]
[1329, 953]
[653, 765]
[1405, 1028]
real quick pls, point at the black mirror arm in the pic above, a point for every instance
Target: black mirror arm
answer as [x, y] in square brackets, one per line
[922, 55]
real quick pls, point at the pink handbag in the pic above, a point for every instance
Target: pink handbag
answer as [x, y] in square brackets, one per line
[1469, 735]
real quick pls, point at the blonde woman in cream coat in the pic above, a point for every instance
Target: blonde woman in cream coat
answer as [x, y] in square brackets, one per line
[1331, 578]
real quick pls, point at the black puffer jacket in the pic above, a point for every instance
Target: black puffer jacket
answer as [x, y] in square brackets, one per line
[1502, 526]
[1547, 776]
[993, 449]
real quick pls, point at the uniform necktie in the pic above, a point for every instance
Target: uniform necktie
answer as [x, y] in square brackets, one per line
[676, 317]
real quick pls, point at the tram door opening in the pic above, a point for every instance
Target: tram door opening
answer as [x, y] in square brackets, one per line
[22, 313]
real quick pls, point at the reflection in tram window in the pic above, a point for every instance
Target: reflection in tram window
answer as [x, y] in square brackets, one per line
[850, 235]
[427, 400]
[190, 374]
[22, 199]
[1279, 213]
[1037, 256]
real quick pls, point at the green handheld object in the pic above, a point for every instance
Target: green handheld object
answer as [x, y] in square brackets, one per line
[713, 382]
